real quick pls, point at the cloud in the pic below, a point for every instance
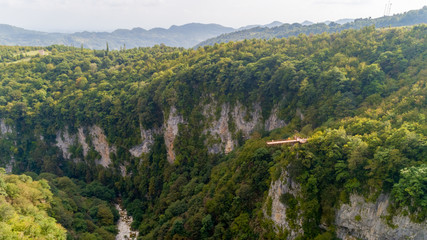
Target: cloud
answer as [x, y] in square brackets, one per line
[341, 2]
[76, 3]
[115, 3]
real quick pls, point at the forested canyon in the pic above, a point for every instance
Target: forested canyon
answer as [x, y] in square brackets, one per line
[179, 135]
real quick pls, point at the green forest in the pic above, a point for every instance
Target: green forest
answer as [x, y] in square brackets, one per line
[359, 96]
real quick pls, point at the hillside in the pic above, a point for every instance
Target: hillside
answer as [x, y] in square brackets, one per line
[176, 36]
[180, 134]
[23, 205]
[286, 30]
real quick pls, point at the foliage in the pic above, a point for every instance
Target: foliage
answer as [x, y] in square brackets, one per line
[82, 208]
[411, 190]
[23, 209]
[362, 91]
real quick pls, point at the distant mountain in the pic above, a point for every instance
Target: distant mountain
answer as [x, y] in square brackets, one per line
[307, 23]
[176, 36]
[287, 30]
[340, 21]
[270, 25]
[273, 24]
[344, 21]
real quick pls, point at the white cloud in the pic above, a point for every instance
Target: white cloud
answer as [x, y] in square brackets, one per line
[342, 2]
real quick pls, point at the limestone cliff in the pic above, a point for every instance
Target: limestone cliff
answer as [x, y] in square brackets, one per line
[220, 135]
[245, 120]
[364, 220]
[284, 184]
[218, 130]
[357, 220]
[221, 139]
[171, 131]
[4, 128]
[9, 161]
[82, 141]
[147, 137]
[274, 121]
[65, 140]
[99, 141]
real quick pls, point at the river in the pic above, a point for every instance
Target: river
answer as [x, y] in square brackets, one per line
[125, 232]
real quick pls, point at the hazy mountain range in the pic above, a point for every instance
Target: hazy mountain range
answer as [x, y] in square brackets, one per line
[306, 27]
[195, 34]
[187, 36]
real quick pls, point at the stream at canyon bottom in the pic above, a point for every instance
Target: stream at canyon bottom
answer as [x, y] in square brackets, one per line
[125, 231]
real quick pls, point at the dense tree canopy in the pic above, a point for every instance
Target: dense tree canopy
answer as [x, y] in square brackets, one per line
[23, 205]
[359, 96]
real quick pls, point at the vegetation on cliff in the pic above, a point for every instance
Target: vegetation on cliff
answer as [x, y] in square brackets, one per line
[359, 95]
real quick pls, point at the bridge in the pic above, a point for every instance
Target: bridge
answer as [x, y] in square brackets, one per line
[288, 141]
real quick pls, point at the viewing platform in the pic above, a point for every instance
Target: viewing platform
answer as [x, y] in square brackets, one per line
[288, 141]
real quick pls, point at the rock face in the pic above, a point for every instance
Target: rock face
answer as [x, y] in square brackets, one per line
[99, 141]
[274, 121]
[171, 131]
[4, 128]
[9, 165]
[284, 184]
[82, 141]
[300, 114]
[218, 130]
[361, 219]
[8, 162]
[147, 137]
[357, 220]
[64, 140]
[244, 120]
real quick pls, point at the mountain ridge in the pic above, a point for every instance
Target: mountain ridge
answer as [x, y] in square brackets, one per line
[287, 30]
[186, 35]
[181, 134]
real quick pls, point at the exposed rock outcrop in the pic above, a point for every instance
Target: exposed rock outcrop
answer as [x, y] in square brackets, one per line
[364, 220]
[82, 141]
[123, 170]
[147, 137]
[284, 184]
[246, 123]
[9, 165]
[4, 128]
[64, 141]
[357, 220]
[274, 121]
[171, 131]
[220, 137]
[99, 141]
[9, 161]
[300, 114]
[218, 130]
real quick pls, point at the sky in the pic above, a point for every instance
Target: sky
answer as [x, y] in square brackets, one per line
[108, 15]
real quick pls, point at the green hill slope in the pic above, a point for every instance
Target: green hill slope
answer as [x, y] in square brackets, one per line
[23, 205]
[181, 133]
